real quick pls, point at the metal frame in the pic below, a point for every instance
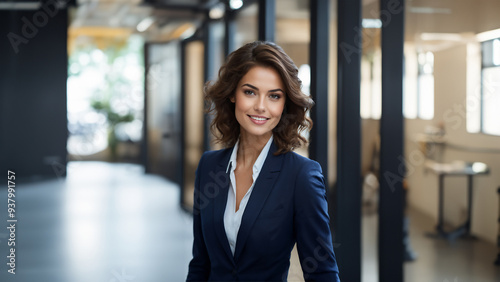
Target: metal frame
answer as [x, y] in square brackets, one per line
[208, 66]
[318, 60]
[347, 219]
[201, 6]
[183, 121]
[390, 239]
[229, 32]
[267, 20]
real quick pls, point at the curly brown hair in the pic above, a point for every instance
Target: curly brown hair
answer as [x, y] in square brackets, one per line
[226, 128]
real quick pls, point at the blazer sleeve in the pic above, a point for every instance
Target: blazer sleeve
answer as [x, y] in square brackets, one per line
[199, 267]
[312, 230]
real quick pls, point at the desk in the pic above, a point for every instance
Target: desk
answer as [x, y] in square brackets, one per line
[457, 168]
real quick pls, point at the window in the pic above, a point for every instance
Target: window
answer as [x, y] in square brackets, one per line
[371, 85]
[490, 87]
[420, 103]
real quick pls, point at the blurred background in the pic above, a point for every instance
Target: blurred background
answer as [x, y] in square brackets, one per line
[102, 122]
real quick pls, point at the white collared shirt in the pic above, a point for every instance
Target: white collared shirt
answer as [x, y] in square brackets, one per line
[232, 219]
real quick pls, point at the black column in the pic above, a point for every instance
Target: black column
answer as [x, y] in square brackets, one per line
[33, 75]
[183, 122]
[392, 170]
[267, 19]
[230, 31]
[208, 70]
[348, 193]
[318, 60]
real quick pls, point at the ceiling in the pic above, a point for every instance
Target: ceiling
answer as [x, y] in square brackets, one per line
[171, 18]
[439, 24]
[162, 18]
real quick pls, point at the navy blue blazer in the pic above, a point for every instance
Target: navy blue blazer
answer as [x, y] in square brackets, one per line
[287, 205]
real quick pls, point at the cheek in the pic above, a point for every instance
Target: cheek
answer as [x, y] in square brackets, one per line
[243, 104]
[277, 110]
[239, 107]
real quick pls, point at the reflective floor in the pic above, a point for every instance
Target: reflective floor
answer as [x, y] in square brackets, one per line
[104, 222]
[438, 260]
[111, 223]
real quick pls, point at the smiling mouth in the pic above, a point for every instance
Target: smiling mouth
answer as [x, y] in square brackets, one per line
[258, 118]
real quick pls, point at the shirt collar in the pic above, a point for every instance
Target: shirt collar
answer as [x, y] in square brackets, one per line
[259, 163]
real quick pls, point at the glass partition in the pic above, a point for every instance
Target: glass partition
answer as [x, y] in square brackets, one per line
[332, 99]
[293, 35]
[246, 25]
[370, 112]
[193, 117]
[449, 63]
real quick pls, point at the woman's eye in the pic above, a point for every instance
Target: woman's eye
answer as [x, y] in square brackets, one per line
[275, 96]
[248, 92]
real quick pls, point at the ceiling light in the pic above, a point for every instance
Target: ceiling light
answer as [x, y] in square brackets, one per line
[488, 35]
[217, 11]
[371, 23]
[188, 32]
[441, 37]
[235, 4]
[145, 24]
[20, 6]
[429, 10]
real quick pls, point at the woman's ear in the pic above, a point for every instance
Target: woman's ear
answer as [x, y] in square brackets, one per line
[232, 99]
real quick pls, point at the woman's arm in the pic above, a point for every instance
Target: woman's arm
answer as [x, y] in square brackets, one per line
[199, 267]
[314, 241]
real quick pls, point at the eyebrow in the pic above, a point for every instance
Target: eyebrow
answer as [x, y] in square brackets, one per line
[255, 88]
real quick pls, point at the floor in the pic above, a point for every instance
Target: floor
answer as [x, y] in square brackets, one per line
[111, 223]
[438, 260]
[108, 223]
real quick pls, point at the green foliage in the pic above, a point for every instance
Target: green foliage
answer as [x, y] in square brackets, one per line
[109, 78]
[104, 107]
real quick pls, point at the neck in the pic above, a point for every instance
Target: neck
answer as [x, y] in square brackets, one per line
[250, 147]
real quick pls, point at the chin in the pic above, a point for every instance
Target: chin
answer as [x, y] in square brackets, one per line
[258, 131]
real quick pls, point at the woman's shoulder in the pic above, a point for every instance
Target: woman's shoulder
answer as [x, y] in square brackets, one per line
[215, 155]
[300, 162]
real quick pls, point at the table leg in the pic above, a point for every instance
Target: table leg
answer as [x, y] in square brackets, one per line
[441, 204]
[469, 213]
[497, 261]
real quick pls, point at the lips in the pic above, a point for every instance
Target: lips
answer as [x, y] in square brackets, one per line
[259, 120]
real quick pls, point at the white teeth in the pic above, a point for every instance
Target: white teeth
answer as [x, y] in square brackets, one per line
[257, 118]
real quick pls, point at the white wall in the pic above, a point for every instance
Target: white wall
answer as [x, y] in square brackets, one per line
[450, 105]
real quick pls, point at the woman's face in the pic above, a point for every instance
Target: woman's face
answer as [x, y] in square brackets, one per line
[259, 101]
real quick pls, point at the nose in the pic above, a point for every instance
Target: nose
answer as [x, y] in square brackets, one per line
[259, 105]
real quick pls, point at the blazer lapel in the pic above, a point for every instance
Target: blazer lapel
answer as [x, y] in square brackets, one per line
[263, 186]
[220, 200]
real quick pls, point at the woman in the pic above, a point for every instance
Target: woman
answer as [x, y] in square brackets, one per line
[255, 199]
